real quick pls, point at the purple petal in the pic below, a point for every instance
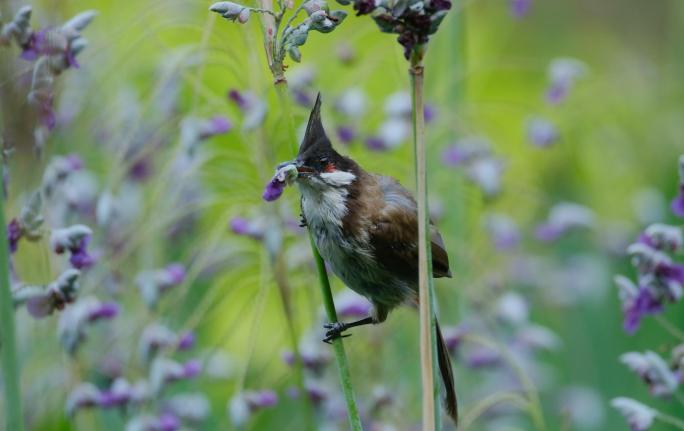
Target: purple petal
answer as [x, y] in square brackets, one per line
[454, 156]
[168, 422]
[273, 190]
[644, 304]
[238, 98]
[557, 93]
[678, 202]
[187, 340]
[106, 310]
[13, 234]
[548, 232]
[176, 272]
[192, 368]
[346, 134]
[375, 143]
[80, 259]
[520, 8]
[40, 306]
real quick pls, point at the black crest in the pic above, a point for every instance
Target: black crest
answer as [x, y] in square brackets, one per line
[315, 141]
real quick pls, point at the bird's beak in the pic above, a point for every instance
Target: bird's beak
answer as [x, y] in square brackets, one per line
[304, 171]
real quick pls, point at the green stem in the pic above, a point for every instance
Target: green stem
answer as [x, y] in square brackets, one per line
[8, 345]
[671, 420]
[669, 327]
[428, 344]
[340, 355]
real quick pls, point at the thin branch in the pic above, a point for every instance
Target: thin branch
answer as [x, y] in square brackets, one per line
[340, 355]
[428, 345]
[8, 347]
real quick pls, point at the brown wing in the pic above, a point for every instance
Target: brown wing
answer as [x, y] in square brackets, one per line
[394, 235]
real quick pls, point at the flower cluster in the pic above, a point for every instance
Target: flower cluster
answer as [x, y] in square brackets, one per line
[85, 312]
[41, 301]
[563, 218]
[154, 283]
[414, 21]
[53, 50]
[659, 279]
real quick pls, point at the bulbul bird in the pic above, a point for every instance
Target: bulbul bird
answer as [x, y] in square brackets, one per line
[365, 226]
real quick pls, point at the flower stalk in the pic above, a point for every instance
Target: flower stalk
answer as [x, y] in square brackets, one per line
[428, 342]
[8, 345]
[338, 345]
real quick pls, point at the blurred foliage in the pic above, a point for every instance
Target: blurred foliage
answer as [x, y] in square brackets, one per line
[620, 133]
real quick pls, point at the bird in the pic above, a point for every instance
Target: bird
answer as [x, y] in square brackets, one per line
[365, 226]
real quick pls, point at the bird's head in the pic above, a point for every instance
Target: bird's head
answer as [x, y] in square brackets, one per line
[319, 166]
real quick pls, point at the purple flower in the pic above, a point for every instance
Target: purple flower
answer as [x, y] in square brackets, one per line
[430, 113]
[520, 8]
[503, 231]
[653, 370]
[283, 176]
[482, 357]
[238, 98]
[168, 422]
[176, 273]
[80, 259]
[541, 132]
[261, 399]
[215, 126]
[186, 340]
[678, 202]
[639, 416]
[352, 305]
[14, 233]
[346, 134]
[103, 310]
[245, 227]
[376, 143]
[274, 189]
[641, 305]
[141, 169]
[563, 73]
[119, 394]
[465, 150]
[192, 368]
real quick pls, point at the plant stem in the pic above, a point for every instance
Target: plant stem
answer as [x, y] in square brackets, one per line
[670, 420]
[340, 355]
[669, 327]
[428, 345]
[8, 345]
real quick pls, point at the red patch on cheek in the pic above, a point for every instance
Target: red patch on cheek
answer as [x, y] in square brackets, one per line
[330, 168]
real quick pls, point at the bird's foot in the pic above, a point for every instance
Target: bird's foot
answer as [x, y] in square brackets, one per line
[335, 331]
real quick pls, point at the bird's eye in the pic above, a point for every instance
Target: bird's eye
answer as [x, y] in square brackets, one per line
[323, 160]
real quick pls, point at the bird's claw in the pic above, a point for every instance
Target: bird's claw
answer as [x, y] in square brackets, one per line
[335, 330]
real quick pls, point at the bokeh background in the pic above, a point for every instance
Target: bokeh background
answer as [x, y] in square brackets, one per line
[549, 308]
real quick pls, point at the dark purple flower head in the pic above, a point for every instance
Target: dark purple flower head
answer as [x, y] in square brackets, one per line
[563, 72]
[217, 125]
[192, 368]
[261, 399]
[548, 232]
[285, 175]
[175, 272]
[238, 99]
[520, 8]
[376, 143]
[430, 113]
[186, 341]
[274, 189]
[541, 132]
[346, 134]
[103, 310]
[643, 304]
[678, 202]
[80, 259]
[14, 233]
[168, 422]
[141, 169]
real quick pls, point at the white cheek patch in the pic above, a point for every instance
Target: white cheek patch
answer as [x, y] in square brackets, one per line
[338, 178]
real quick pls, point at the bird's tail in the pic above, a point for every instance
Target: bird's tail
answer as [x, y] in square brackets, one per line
[450, 403]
